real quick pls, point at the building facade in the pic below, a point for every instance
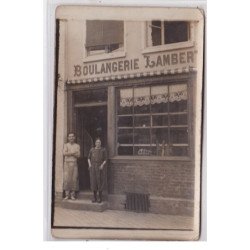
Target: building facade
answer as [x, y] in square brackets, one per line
[134, 85]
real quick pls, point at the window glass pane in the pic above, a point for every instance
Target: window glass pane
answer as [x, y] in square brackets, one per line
[180, 106]
[142, 100]
[125, 110]
[178, 135]
[156, 32]
[113, 47]
[159, 99]
[175, 32]
[178, 119]
[178, 98]
[160, 120]
[125, 136]
[100, 49]
[180, 151]
[142, 121]
[177, 92]
[162, 150]
[159, 136]
[95, 50]
[141, 109]
[159, 108]
[99, 95]
[125, 121]
[142, 136]
[125, 150]
[125, 101]
[143, 151]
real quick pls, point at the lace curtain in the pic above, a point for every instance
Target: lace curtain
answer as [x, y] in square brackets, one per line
[159, 94]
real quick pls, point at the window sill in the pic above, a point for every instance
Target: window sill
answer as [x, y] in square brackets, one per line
[107, 56]
[148, 158]
[168, 47]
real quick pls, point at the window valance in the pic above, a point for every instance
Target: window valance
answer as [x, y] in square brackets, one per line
[154, 95]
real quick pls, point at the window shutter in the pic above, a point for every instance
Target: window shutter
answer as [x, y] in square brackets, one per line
[113, 32]
[94, 33]
[104, 32]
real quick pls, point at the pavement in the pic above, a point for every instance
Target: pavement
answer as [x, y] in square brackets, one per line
[120, 219]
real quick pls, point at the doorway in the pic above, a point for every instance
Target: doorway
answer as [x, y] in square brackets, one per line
[91, 123]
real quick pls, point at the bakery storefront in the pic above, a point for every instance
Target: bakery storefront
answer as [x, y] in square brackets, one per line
[131, 83]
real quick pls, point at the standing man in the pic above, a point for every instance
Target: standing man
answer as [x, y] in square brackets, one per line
[96, 160]
[71, 152]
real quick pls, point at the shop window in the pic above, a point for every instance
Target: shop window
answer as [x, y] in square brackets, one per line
[90, 96]
[104, 36]
[152, 120]
[167, 32]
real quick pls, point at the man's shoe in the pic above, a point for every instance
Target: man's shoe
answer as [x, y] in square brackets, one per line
[73, 197]
[66, 197]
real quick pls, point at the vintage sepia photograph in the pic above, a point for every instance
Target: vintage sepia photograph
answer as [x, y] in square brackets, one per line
[127, 123]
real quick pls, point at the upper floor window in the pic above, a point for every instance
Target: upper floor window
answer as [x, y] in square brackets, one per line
[104, 36]
[167, 32]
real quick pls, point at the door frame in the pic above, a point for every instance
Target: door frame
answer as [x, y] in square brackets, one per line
[79, 111]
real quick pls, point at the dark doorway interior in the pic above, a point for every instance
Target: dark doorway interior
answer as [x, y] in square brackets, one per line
[91, 123]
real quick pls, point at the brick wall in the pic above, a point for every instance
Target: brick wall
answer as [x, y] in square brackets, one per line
[171, 179]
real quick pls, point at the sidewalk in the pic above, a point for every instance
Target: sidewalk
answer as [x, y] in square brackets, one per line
[120, 219]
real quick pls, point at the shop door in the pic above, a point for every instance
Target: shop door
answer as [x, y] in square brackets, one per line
[92, 123]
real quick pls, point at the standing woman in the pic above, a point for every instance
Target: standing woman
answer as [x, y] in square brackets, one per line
[97, 159]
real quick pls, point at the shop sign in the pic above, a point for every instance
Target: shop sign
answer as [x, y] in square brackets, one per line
[144, 63]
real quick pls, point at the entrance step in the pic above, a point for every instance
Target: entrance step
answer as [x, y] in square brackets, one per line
[80, 204]
[88, 195]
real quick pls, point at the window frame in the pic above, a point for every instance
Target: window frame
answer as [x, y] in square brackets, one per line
[104, 56]
[165, 47]
[189, 78]
[190, 154]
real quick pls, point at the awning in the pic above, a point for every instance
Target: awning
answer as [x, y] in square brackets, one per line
[132, 76]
